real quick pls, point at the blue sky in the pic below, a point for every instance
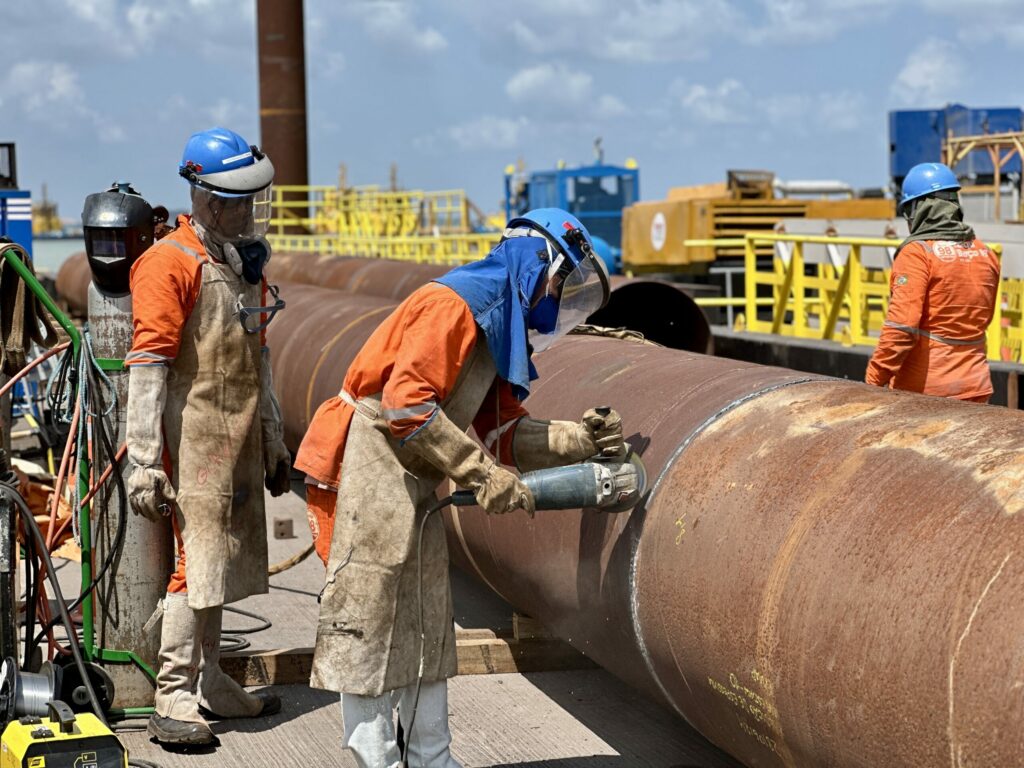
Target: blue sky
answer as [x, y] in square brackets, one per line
[454, 90]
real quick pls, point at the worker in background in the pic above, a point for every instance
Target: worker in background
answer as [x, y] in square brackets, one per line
[455, 354]
[943, 291]
[204, 428]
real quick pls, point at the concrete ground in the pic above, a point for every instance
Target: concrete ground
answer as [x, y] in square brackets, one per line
[557, 719]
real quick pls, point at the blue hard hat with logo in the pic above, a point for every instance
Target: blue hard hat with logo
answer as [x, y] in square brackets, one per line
[924, 179]
[556, 224]
[221, 162]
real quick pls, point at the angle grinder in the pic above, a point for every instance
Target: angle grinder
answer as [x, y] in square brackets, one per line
[607, 485]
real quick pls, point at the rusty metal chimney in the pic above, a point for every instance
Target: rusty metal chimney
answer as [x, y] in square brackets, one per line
[282, 64]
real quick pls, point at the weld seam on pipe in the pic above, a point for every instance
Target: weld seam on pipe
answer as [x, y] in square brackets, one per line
[634, 605]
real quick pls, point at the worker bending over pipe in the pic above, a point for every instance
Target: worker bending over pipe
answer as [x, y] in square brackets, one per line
[455, 354]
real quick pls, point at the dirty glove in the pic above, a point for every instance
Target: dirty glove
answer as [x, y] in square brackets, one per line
[451, 451]
[277, 462]
[604, 428]
[539, 444]
[150, 492]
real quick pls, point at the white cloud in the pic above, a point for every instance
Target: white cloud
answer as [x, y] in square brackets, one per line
[931, 74]
[49, 92]
[725, 103]
[609, 107]
[811, 20]
[549, 82]
[489, 132]
[392, 21]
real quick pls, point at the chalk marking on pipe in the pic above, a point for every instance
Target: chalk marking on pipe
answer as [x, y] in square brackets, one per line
[457, 525]
[954, 755]
[634, 603]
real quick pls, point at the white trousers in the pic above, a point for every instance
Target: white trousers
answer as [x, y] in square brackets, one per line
[370, 727]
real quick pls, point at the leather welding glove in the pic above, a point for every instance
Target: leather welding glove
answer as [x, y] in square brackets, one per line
[276, 459]
[150, 492]
[451, 451]
[539, 444]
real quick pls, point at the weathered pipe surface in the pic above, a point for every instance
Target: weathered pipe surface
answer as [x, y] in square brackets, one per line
[312, 343]
[824, 573]
[663, 312]
[73, 280]
[383, 278]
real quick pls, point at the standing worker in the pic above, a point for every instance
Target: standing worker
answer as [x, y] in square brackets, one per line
[204, 426]
[943, 292]
[455, 354]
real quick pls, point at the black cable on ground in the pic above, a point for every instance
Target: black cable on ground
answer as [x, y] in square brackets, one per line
[423, 640]
[62, 606]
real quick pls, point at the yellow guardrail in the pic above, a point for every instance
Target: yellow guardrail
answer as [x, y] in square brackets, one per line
[844, 300]
[409, 225]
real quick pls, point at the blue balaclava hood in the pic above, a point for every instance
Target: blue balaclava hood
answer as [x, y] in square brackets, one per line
[498, 290]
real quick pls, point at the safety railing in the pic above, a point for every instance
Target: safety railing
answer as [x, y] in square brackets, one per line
[409, 225]
[841, 298]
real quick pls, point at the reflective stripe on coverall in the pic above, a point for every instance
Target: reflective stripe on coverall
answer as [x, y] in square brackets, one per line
[943, 296]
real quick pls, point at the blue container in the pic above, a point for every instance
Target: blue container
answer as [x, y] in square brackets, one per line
[915, 136]
[16, 216]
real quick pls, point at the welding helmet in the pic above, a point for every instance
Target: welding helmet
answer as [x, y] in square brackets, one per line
[118, 227]
[231, 185]
[925, 180]
[577, 282]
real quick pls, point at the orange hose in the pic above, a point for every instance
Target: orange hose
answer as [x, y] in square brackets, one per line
[45, 356]
[59, 480]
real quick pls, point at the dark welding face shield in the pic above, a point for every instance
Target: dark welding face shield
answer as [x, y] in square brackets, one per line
[118, 227]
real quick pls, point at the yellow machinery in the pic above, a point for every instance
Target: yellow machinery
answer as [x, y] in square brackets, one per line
[675, 234]
[412, 225]
[60, 740]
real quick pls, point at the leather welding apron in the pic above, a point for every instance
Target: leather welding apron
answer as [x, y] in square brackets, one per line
[368, 639]
[212, 426]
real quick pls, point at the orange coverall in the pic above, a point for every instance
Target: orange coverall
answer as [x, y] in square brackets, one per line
[165, 285]
[413, 360]
[942, 299]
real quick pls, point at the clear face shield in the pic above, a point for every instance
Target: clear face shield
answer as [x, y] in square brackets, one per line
[578, 295]
[232, 219]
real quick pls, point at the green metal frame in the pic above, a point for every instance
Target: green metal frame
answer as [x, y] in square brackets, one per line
[90, 650]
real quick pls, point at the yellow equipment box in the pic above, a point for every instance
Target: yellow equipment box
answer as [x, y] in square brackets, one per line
[68, 741]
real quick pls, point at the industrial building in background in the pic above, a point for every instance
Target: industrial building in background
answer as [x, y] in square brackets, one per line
[15, 204]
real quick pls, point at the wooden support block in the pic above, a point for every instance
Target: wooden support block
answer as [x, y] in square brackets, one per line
[527, 628]
[479, 652]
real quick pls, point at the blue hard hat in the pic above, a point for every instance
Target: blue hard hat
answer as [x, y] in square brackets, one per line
[924, 179]
[222, 162]
[556, 224]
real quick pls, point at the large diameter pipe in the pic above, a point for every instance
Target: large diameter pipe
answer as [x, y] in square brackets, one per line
[312, 343]
[823, 573]
[282, 72]
[73, 280]
[663, 312]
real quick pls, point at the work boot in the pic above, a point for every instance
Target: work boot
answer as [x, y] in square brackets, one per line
[428, 743]
[220, 697]
[177, 719]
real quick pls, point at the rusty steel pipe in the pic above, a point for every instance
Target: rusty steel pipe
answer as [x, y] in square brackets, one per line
[662, 311]
[312, 343]
[73, 280]
[823, 573]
